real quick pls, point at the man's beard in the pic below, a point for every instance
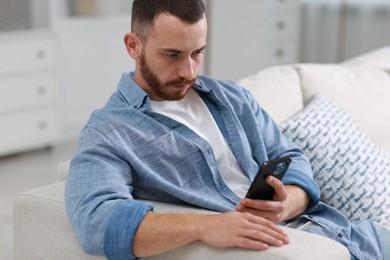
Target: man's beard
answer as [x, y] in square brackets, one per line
[158, 87]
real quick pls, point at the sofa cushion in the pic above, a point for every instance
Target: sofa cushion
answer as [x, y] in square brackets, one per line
[362, 90]
[352, 172]
[278, 90]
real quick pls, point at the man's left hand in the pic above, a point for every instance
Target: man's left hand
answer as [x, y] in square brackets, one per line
[288, 202]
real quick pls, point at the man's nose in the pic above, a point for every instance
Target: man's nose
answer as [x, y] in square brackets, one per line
[187, 69]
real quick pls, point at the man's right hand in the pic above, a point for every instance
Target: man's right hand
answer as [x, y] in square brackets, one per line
[245, 230]
[158, 233]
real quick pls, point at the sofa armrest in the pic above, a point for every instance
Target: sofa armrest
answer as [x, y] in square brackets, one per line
[42, 231]
[41, 227]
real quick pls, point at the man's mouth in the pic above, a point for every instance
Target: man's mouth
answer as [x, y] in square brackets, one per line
[183, 84]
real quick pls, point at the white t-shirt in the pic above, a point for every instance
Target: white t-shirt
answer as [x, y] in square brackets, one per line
[193, 113]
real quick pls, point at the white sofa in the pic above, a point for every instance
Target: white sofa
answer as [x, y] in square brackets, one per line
[361, 86]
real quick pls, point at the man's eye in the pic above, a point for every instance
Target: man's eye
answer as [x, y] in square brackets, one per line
[197, 53]
[172, 55]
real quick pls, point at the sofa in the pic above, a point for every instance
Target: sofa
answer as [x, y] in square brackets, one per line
[359, 88]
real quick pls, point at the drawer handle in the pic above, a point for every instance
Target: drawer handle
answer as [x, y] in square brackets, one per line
[42, 125]
[279, 53]
[41, 90]
[41, 55]
[280, 25]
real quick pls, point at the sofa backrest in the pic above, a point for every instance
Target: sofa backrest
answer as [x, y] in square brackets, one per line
[361, 86]
[63, 170]
[278, 90]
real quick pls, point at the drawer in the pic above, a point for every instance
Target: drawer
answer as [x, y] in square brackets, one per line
[28, 128]
[27, 91]
[27, 55]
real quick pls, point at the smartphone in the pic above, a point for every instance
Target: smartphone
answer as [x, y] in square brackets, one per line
[259, 188]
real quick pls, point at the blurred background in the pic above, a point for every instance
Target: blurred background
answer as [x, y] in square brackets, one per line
[61, 59]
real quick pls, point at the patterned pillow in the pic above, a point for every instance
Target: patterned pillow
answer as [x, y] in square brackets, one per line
[352, 172]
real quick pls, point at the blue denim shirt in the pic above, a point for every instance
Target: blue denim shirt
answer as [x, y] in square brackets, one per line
[126, 153]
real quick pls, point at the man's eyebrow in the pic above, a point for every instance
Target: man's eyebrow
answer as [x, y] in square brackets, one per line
[171, 50]
[201, 49]
[179, 51]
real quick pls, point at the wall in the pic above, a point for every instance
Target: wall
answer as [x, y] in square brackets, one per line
[335, 30]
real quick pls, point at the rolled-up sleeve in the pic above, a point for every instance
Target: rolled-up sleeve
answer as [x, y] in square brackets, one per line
[121, 228]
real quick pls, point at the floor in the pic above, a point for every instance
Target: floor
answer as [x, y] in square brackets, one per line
[22, 172]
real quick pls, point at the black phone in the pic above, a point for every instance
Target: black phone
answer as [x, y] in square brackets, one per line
[259, 188]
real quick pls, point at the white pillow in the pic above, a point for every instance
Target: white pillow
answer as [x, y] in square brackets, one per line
[362, 91]
[352, 172]
[277, 89]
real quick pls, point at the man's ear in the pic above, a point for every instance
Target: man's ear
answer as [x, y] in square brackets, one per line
[133, 45]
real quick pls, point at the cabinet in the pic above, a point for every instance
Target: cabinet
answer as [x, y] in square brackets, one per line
[92, 55]
[250, 35]
[93, 58]
[28, 91]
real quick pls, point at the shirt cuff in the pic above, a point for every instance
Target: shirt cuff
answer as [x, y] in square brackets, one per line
[121, 228]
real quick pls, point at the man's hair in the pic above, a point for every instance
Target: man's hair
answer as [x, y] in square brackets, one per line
[144, 13]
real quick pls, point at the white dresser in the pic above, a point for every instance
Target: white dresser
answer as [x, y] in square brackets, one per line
[246, 36]
[28, 91]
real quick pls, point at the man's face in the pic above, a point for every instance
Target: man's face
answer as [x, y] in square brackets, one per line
[170, 58]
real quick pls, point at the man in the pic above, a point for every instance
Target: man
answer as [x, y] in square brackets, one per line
[168, 134]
